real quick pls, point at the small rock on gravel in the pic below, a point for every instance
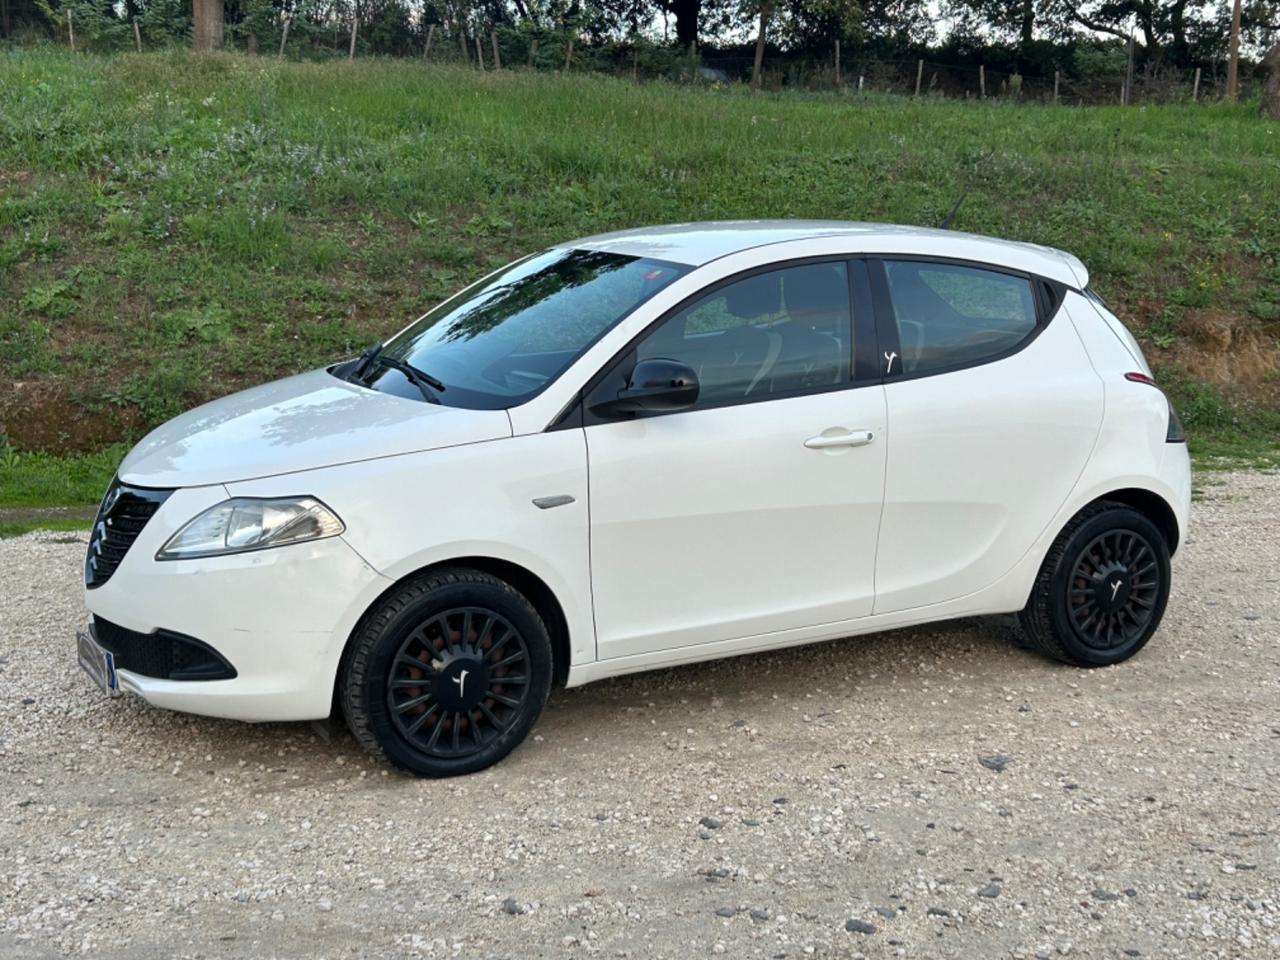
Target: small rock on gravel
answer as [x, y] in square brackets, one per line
[998, 762]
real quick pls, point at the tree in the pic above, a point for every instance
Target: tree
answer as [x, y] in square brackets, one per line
[1233, 61]
[1271, 95]
[766, 10]
[1173, 31]
[207, 29]
[687, 14]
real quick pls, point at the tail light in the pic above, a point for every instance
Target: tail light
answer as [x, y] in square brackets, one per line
[1174, 433]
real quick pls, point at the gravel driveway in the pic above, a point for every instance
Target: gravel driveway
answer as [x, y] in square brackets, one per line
[924, 793]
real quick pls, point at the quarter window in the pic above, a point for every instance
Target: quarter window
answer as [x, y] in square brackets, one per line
[779, 332]
[950, 316]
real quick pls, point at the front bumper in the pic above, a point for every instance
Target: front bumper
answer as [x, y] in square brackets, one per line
[280, 616]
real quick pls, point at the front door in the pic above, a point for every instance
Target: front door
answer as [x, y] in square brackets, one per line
[756, 510]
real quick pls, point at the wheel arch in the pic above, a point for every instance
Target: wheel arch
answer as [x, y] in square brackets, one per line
[525, 581]
[1151, 505]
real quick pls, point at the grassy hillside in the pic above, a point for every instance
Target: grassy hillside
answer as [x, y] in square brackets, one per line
[173, 228]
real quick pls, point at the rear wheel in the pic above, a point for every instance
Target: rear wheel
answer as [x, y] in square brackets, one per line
[447, 674]
[1102, 589]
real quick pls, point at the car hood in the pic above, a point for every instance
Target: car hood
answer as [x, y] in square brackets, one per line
[299, 423]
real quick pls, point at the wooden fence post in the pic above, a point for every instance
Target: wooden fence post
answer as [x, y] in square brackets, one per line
[351, 53]
[71, 30]
[1195, 89]
[919, 75]
[284, 34]
[497, 57]
[137, 34]
[533, 52]
[861, 77]
[982, 81]
[1128, 74]
[837, 64]
[479, 52]
[1056, 75]
[431, 32]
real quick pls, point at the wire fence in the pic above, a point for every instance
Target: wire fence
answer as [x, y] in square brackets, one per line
[506, 47]
[856, 74]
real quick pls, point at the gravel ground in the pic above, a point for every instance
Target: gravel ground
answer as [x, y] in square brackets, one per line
[924, 793]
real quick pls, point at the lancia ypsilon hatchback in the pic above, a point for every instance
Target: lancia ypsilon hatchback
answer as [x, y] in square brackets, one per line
[643, 449]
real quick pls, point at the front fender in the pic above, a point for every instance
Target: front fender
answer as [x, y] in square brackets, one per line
[417, 510]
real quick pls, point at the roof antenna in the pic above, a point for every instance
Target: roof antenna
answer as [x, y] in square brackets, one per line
[946, 223]
[950, 217]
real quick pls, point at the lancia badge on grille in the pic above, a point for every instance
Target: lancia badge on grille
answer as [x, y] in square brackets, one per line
[109, 501]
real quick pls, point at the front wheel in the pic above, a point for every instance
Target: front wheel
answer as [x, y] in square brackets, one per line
[447, 674]
[1102, 589]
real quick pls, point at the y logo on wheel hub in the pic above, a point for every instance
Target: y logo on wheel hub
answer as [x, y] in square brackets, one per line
[461, 678]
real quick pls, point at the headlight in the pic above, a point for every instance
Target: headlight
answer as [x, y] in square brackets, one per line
[245, 523]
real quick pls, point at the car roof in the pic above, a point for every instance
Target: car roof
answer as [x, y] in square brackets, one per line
[695, 244]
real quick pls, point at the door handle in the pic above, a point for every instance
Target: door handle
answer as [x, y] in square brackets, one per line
[855, 438]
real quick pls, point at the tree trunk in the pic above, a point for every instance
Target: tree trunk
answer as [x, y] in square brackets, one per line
[766, 9]
[1150, 36]
[207, 25]
[1233, 64]
[1179, 50]
[686, 14]
[1271, 95]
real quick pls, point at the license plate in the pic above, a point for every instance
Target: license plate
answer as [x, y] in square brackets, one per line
[98, 663]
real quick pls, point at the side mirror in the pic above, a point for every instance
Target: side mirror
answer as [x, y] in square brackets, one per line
[655, 386]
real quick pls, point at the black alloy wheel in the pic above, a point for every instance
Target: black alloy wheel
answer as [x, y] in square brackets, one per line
[1114, 588]
[1102, 589]
[458, 682]
[447, 673]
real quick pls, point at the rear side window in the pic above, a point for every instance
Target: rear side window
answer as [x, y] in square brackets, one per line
[951, 316]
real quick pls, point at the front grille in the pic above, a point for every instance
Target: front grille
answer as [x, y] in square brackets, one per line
[164, 654]
[124, 512]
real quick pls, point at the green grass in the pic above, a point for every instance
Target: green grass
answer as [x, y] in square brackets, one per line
[174, 227]
[33, 479]
[16, 528]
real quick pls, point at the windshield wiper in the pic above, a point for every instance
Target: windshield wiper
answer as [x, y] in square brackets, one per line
[424, 381]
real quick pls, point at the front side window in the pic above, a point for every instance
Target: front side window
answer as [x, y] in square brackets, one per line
[504, 339]
[950, 316]
[779, 332]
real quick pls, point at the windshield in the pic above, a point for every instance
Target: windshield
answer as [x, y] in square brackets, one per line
[503, 340]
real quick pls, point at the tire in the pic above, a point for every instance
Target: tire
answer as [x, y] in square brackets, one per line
[1102, 589]
[447, 674]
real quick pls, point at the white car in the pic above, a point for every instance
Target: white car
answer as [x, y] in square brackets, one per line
[638, 450]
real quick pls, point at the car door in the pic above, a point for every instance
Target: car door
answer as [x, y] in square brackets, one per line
[993, 409]
[757, 509]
